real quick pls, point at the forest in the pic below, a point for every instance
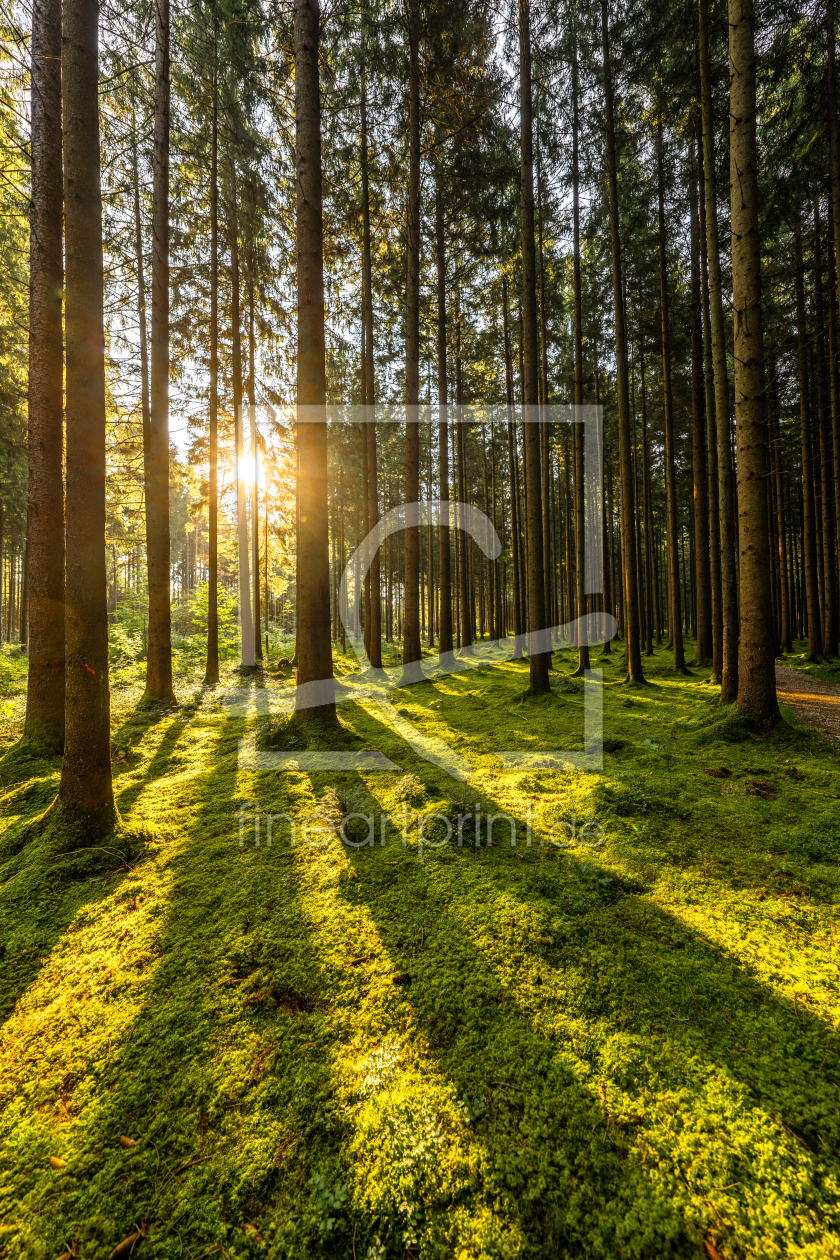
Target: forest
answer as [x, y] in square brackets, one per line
[419, 629]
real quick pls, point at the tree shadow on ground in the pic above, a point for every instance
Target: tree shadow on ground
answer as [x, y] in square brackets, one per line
[590, 1028]
[228, 997]
[619, 1073]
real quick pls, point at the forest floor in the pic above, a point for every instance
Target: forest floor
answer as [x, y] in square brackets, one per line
[613, 1041]
[814, 701]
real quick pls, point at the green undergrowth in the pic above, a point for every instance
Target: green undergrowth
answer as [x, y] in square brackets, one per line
[611, 1033]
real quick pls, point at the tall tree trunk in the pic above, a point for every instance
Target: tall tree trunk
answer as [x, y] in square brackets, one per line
[141, 295]
[700, 472]
[456, 551]
[86, 786]
[809, 529]
[461, 537]
[3, 592]
[430, 535]
[834, 391]
[711, 429]
[211, 672]
[255, 496]
[514, 486]
[545, 427]
[141, 322]
[726, 497]
[829, 520]
[834, 152]
[786, 611]
[671, 518]
[265, 575]
[577, 430]
[757, 673]
[23, 620]
[369, 398]
[247, 628]
[493, 621]
[314, 649]
[445, 563]
[628, 531]
[539, 680]
[255, 534]
[642, 552]
[647, 604]
[412, 668]
[45, 510]
[156, 443]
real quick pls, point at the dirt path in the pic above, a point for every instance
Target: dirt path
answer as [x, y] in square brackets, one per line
[814, 701]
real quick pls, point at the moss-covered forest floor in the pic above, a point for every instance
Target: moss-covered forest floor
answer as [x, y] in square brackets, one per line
[623, 1047]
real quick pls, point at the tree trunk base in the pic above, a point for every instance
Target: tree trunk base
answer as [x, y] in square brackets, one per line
[67, 828]
[413, 673]
[41, 738]
[152, 698]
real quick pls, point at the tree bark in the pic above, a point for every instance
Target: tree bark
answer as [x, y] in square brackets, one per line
[785, 611]
[86, 786]
[834, 384]
[829, 532]
[145, 404]
[646, 603]
[369, 399]
[255, 495]
[45, 510]
[577, 431]
[412, 668]
[545, 427]
[211, 672]
[628, 531]
[703, 648]
[834, 148]
[461, 537]
[539, 661]
[445, 562]
[671, 517]
[809, 529]
[514, 480]
[756, 674]
[726, 500]
[314, 649]
[156, 446]
[246, 624]
[711, 432]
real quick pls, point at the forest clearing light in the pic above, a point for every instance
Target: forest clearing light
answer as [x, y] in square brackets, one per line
[374, 686]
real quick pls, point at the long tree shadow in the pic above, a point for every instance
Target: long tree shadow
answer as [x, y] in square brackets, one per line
[161, 761]
[641, 1000]
[39, 900]
[587, 1027]
[204, 1096]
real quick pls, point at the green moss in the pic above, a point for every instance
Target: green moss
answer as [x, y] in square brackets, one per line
[616, 1044]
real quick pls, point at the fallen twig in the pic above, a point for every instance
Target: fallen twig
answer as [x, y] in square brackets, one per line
[182, 1167]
